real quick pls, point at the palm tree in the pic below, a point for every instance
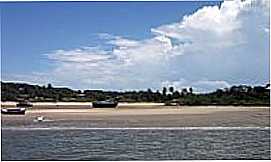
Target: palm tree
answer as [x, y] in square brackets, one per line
[171, 89]
[164, 91]
[49, 86]
[191, 90]
[184, 92]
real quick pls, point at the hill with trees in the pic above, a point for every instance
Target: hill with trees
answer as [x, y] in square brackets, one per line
[235, 95]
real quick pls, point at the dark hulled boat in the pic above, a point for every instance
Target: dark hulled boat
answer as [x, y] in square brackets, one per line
[105, 104]
[24, 104]
[13, 110]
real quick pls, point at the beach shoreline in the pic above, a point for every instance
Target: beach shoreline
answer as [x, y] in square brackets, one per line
[141, 116]
[120, 104]
[79, 103]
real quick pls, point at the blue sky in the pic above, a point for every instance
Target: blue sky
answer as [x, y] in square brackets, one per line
[32, 29]
[134, 45]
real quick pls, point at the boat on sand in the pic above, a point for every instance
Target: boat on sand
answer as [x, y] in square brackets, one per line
[13, 110]
[24, 104]
[105, 104]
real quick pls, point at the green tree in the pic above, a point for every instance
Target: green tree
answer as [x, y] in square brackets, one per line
[184, 92]
[171, 90]
[49, 86]
[164, 91]
[191, 90]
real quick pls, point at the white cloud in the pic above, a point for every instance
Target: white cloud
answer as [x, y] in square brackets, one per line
[212, 28]
[208, 86]
[226, 44]
[198, 86]
[123, 43]
[81, 55]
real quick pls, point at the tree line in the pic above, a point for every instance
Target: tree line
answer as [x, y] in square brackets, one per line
[235, 95]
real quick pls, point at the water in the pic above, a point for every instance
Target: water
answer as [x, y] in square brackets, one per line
[134, 144]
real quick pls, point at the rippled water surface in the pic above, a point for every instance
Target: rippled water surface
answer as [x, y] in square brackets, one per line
[134, 144]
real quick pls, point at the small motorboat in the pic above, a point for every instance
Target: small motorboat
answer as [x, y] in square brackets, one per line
[14, 110]
[105, 104]
[40, 118]
[24, 104]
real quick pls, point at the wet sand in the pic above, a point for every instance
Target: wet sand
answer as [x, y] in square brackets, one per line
[133, 115]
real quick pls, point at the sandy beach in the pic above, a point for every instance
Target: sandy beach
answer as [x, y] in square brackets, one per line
[140, 115]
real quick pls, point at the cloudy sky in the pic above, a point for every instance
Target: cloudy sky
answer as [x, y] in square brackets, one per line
[136, 45]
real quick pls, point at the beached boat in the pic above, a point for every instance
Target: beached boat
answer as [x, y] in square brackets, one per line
[13, 110]
[24, 104]
[105, 104]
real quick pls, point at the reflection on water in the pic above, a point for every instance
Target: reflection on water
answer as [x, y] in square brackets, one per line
[134, 144]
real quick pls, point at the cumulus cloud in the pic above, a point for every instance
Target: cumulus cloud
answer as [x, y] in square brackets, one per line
[214, 28]
[228, 44]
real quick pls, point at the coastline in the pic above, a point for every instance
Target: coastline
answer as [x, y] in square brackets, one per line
[36, 104]
[140, 116]
[9, 103]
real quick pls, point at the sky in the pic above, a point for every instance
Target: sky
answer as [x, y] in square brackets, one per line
[136, 45]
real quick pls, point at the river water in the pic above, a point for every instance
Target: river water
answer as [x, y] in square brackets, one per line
[135, 144]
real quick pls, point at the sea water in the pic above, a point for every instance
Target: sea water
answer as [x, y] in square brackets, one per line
[135, 144]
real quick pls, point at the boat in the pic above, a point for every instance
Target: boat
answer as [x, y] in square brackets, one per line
[14, 110]
[39, 119]
[24, 104]
[105, 104]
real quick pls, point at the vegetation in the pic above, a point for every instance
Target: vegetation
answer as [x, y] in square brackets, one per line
[236, 95]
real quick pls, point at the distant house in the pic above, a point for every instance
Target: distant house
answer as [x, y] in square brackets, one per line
[244, 88]
[81, 95]
[49, 99]
[241, 88]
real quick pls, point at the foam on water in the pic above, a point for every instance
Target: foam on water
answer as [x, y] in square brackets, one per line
[136, 128]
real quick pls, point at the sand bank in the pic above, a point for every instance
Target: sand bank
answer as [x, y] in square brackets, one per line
[136, 116]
